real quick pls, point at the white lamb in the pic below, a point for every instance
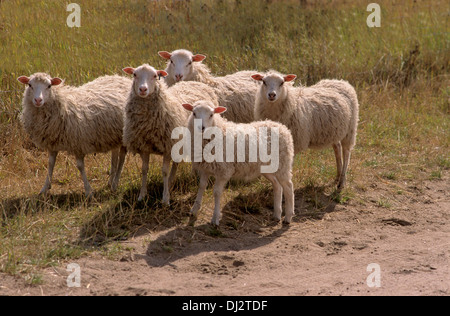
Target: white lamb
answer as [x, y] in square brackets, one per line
[79, 120]
[152, 112]
[205, 119]
[236, 92]
[325, 114]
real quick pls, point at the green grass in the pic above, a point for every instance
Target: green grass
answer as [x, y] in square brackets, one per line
[400, 72]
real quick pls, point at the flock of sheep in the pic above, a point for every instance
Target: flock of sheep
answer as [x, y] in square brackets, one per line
[118, 114]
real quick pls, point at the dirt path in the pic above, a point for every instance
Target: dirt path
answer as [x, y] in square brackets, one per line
[319, 254]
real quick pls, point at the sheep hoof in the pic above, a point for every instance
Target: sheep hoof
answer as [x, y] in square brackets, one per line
[337, 180]
[277, 217]
[44, 192]
[141, 197]
[288, 218]
[47, 186]
[215, 222]
[113, 187]
[287, 221]
[192, 219]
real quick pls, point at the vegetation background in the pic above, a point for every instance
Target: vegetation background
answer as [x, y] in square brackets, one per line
[400, 71]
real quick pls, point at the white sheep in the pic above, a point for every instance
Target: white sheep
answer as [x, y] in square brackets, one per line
[152, 113]
[325, 114]
[79, 120]
[233, 161]
[236, 92]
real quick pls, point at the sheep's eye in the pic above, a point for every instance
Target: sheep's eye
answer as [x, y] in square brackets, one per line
[134, 75]
[31, 87]
[264, 83]
[171, 61]
[49, 86]
[211, 116]
[155, 76]
[194, 115]
[190, 63]
[282, 84]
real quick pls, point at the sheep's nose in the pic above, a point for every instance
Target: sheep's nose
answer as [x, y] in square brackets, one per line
[179, 77]
[38, 101]
[272, 95]
[143, 89]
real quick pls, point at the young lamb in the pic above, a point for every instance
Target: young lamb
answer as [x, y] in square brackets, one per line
[236, 92]
[79, 120]
[205, 119]
[152, 113]
[325, 114]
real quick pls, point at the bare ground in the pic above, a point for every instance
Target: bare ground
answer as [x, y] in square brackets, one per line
[402, 227]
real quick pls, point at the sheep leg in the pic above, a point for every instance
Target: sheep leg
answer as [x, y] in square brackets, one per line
[122, 155]
[201, 190]
[80, 166]
[219, 186]
[165, 173]
[338, 153]
[51, 165]
[173, 173]
[114, 163]
[346, 154]
[277, 195]
[145, 159]
[288, 190]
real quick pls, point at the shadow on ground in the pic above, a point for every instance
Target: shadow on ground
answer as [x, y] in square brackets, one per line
[246, 224]
[42, 203]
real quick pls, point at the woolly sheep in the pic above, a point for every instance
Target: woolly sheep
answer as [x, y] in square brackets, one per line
[325, 114]
[79, 120]
[236, 92]
[152, 113]
[248, 169]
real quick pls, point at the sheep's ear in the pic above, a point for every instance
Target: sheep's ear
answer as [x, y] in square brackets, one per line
[198, 58]
[23, 79]
[129, 70]
[290, 78]
[258, 77]
[162, 73]
[188, 107]
[165, 55]
[56, 81]
[220, 110]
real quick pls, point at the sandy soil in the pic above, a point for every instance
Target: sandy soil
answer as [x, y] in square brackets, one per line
[320, 253]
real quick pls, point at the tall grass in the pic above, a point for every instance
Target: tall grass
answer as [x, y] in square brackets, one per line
[399, 70]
